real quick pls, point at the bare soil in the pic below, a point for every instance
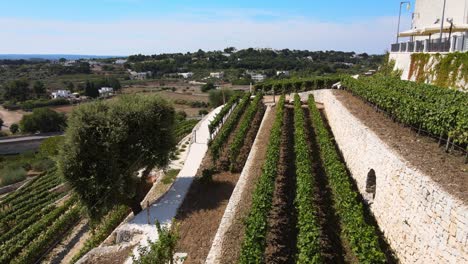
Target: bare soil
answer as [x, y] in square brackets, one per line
[422, 152]
[200, 214]
[282, 232]
[235, 234]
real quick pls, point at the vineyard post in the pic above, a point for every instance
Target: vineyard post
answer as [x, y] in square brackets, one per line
[440, 139]
[148, 212]
[448, 145]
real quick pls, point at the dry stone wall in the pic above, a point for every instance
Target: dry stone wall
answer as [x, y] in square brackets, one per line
[421, 222]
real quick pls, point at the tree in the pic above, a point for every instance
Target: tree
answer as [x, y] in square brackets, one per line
[14, 128]
[91, 90]
[208, 86]
[39, 88]
[108, 142]
[43, 120]
[216, 97]
[17, 90]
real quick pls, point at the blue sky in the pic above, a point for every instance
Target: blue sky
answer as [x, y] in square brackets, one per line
[122, 27]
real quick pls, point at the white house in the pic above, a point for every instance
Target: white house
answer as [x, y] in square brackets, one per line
[61, 94]
[139, 75]
[436, 27]
[258, 77]
[120, 61]
[284, 73]
[106, 91]
[218, 75]
[185, 75]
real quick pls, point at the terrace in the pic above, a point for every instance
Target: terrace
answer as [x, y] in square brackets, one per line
[455, 43]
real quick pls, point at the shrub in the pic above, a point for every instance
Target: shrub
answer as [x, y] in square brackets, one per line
[162, 250]
[14, 128]
[43, 120]
[10, 175]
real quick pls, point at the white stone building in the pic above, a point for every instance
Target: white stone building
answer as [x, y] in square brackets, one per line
[61, 94]
[218, 75]
[140, 75]
[284, 73]
[106, 91]
[436, 27]
[185, 75]
[258, 77]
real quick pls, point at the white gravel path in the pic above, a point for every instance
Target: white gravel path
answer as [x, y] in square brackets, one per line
[166, 208]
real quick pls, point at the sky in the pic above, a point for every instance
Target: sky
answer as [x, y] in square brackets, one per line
[125, 27]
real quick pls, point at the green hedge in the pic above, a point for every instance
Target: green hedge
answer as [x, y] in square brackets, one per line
[253, 246]
[297, 84]
[308, 238]
[361, 236]
[244, 126]
[218, 142]
[220, 116]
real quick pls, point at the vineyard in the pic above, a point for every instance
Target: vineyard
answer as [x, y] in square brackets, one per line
[34, 217]
[291, 218]
[441, 112]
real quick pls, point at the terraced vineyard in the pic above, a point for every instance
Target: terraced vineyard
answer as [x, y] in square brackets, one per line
[34, 218]
[293, 219]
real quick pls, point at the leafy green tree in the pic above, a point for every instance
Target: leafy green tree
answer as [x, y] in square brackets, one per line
[14, 128]
[218, 97]
[108, 142]
[91, 90]
[43, 120]
[207, 87]
[17, 90]
[39, 88]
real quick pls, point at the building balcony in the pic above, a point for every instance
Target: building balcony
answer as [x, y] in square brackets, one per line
[455, 43]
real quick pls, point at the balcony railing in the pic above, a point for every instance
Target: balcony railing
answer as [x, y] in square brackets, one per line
[456, 43]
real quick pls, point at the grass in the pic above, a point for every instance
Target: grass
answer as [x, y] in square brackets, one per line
[10, 175]
[169, 176]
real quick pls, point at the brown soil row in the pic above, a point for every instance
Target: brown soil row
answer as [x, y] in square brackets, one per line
[203, 207]
[282, 232]
[235, 234]
[422, 152]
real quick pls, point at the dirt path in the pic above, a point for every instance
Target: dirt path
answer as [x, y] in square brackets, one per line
[203, 207]
[10, 117]
[422, 152]
[282, 232]
[235, 234]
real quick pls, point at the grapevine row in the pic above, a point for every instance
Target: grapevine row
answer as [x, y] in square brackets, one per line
[218, 119]
[42, 243]
[361, 235]
[244, 126]
[12, 247]
[228, 127]
[297, 84]
[440, 111]
[253, 246]
[308, 238]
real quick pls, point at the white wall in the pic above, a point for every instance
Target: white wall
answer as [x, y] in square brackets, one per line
[426, 12]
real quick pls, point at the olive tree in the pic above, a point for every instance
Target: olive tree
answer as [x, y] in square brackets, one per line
[108, 142]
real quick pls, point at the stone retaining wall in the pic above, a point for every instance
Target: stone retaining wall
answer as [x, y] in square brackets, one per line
[421, 222]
